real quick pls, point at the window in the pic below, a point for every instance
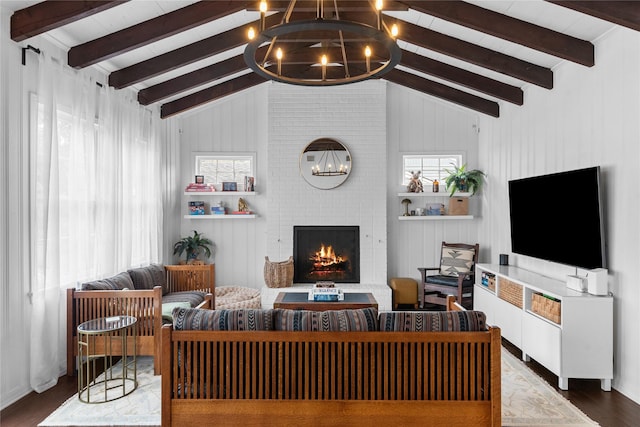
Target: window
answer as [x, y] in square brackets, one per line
[226, 167]
[431, 166]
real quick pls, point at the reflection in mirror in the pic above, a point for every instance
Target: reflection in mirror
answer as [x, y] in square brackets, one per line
[325, 163]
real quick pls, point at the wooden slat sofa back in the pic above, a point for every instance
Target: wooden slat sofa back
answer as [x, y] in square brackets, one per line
[330, 378]
[144, 304]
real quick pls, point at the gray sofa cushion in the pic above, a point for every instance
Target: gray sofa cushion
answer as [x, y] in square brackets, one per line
[148, 277]
[194, 298]
[117, 282]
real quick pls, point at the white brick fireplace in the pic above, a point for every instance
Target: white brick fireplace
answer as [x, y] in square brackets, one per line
[355, 115]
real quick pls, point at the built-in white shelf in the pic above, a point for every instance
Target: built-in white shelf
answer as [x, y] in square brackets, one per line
[220, 193]
[433, 217]
[432, 194]
[227, 216]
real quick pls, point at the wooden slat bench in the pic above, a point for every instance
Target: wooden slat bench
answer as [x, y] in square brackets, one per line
[330, 378]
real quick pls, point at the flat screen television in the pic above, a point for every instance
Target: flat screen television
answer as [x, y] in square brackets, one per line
[558, 218]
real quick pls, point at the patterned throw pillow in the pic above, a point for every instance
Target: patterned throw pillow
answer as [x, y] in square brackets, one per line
[115, 283]
[222, 320]
[456, 261]
[433, 321]
[365, 319]
[148, 277]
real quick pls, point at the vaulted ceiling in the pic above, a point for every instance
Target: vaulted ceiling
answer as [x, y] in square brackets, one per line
[184, 54]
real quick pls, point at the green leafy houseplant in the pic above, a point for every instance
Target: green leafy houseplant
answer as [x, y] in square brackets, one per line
[464, 180]
[193, 245]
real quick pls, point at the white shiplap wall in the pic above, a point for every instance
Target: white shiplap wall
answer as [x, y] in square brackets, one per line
[235, 124]
[421, 124]
[591, 117]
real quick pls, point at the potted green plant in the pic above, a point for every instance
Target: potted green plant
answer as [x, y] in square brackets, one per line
[193, 246]
[464, 180]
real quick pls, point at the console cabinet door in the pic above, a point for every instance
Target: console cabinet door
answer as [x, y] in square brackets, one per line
[541, 341]
[483, 300]
[509, 318]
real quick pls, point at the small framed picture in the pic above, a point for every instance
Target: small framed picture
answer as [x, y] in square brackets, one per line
[229, 186]
[199, 179]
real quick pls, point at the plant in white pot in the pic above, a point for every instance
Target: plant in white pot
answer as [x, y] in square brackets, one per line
[461, 179]
[193, 246]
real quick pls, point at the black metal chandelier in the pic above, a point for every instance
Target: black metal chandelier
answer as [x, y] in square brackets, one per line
[324, 51]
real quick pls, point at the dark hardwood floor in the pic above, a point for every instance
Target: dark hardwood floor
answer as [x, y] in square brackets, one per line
[609, 409]
[35, 407]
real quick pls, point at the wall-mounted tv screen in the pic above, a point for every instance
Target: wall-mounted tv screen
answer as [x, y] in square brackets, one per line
[558, 218]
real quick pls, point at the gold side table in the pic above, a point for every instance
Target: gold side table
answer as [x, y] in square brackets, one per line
[102, 339]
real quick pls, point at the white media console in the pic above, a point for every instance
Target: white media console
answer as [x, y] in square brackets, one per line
[567, 331]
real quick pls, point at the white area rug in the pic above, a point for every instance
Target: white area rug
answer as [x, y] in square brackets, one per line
[527, 400]
[140, 408]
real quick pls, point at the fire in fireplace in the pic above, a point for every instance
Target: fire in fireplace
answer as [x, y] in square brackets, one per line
[326, 253]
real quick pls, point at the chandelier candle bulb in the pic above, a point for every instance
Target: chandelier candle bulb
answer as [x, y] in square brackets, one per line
[263, 14]
[379, 14]
[279, 57]
[367, 55]
[323, 60]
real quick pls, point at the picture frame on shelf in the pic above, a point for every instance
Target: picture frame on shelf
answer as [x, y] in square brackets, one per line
[249, 184]
[199, 179]
[229, 186]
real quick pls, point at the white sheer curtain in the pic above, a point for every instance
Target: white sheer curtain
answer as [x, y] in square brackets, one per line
[96, 200]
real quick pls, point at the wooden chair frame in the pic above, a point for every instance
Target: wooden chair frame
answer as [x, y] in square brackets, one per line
[434, 293]
[143, 304]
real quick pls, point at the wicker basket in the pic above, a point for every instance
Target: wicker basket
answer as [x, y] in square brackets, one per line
[278, 274]
[510, 291]
[546, 307]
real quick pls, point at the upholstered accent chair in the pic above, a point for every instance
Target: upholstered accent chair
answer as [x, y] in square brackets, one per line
[454, 276]
[405, 291]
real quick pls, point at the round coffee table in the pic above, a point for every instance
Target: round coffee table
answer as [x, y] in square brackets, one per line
[103, 339]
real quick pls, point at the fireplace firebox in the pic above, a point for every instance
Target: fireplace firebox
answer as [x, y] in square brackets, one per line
[326, 253]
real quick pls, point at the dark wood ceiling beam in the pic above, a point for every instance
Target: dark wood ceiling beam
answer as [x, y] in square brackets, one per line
[190, 80]
[184, 55]
[52, 14]
[508, 28]
[625, 13]
[150, 31]
[474, 54]
[210, 94]
[462, 77]
[442, 91]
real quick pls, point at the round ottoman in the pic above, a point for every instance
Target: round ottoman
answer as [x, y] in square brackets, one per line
[230, 297]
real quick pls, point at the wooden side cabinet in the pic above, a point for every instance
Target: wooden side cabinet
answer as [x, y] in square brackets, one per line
[568, 332]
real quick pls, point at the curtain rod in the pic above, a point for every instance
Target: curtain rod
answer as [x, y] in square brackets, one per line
[24, 53]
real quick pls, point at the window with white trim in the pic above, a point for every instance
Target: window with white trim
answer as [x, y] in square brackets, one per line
[225, 167]
[431, 166]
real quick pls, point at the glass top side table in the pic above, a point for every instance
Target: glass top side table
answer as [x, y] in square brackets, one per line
[98, 340]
